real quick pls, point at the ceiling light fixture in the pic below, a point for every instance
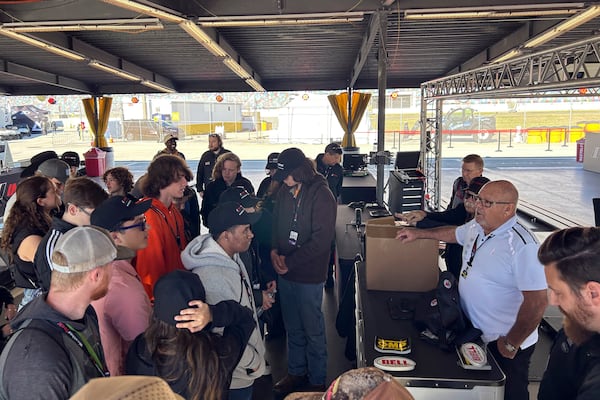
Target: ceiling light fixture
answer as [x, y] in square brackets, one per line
[488, 14]
[155, 11]
[283, 19]
[115, 71]
[158, 86]
[494, 12]
[40, 44]
[236, 68]
[565, 26]
[203, 38]
[255, 85]
[141, 24]
[506, 56]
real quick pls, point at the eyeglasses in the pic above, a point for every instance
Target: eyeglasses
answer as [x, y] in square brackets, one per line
[141, 225]
[489, 203]
[86, 212]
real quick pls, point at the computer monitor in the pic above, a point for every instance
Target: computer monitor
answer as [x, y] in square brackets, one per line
[407, 159]
[354, 162]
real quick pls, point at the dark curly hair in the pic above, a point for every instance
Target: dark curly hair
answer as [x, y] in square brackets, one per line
[122, 175]
[26, 209]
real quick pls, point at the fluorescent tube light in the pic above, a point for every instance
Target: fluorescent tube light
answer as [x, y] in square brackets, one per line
[158, 86]
[506, 56]
[565, 26]
[203, 38]
[167, 15]
[115, 71]
[236, 68]
[255, 85]
[40, 44]
[531, 10]
[141, 24]
[279, 22]
[282, 19]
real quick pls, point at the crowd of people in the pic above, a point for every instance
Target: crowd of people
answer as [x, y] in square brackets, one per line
[118, 280]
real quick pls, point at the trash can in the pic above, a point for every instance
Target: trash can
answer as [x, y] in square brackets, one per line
[580, 150]
[109, 159]
[95, 160]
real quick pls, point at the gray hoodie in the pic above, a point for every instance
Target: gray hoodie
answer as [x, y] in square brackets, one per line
[225, 278]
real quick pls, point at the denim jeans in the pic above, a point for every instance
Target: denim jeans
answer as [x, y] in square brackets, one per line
[305, 326]
[28, 295]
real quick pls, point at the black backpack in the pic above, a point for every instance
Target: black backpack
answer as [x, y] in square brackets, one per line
[440, 318]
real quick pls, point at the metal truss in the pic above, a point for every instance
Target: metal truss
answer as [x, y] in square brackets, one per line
[567, 67]
[570, 70]
[431, 149]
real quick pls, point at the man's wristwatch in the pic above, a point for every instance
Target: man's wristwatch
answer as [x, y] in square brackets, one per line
[508, 346]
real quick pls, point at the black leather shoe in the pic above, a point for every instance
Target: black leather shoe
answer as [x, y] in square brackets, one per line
[289, 384]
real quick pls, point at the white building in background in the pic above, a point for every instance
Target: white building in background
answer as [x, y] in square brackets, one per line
[309, 118]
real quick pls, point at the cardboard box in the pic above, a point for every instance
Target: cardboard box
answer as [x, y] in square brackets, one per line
[395, 266]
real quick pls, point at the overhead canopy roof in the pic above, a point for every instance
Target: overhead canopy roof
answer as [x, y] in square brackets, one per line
[116, 46]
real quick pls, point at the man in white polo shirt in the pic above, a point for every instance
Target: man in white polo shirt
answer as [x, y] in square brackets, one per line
[502, 283]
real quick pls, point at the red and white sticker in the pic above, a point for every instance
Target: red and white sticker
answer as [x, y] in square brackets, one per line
[394, 363]
[474, 354]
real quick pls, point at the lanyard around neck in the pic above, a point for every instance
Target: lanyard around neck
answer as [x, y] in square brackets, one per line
[87, 348]
[465, 271]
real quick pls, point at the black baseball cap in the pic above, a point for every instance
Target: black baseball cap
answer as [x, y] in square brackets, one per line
[229, 214]
[71, 158]
[239, 194]
[116, 210]
[173, 292]
[288, 161]
[333, 148]
[35, 162]
[272, 161]
[477, 183]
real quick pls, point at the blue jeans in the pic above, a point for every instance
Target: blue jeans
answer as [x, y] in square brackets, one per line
[241, 394]
[305, 326]
[28, 295]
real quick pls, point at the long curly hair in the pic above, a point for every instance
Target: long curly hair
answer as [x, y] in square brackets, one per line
[217, 172]
[180, 354]
[121, 175]
[26, 210]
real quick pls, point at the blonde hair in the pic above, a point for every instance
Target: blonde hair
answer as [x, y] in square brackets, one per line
[218, 169]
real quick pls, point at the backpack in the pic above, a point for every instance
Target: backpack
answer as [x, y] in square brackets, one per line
[77, 377]
[439, 316]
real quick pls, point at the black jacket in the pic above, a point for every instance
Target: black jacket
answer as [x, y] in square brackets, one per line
[213, 192]
[44, 251]
[43, 362]
[451, 216]
[334, 175]
[205, 167]
[315, 210]
[239, 324]
[573, 372]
